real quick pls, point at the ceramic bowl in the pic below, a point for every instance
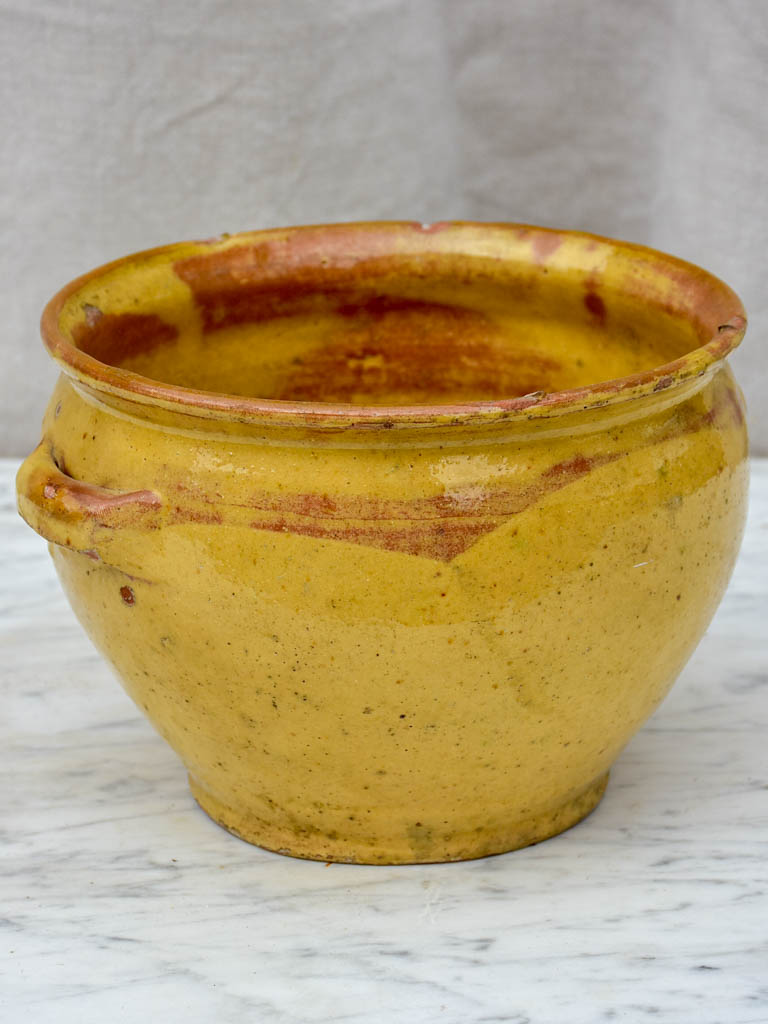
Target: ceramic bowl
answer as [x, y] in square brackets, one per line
[396, 532]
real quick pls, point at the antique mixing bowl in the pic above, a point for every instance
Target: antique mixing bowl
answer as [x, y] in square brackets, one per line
[396, 532]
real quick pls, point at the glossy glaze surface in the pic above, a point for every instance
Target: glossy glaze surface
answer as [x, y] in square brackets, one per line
[107, 859]
[384, 612]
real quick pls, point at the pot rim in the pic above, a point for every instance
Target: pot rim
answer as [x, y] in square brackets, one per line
[718, 310]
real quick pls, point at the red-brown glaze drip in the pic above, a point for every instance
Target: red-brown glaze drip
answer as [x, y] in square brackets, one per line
[420, 351]
[400, 346]
[114, 337]
[253, 283]
[441, 526]
[596, 306]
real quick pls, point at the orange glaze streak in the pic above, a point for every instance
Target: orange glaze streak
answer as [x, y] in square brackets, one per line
[442, 543]
[439, 527]
[192, 515]
[112, 337]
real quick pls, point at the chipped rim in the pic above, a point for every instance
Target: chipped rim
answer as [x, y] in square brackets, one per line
[726, 324]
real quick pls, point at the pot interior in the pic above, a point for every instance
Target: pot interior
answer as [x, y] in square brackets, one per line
[424, 329]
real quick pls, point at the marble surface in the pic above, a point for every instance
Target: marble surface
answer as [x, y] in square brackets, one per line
[120, 901]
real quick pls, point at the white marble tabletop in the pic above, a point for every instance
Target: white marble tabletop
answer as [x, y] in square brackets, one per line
[122, 902]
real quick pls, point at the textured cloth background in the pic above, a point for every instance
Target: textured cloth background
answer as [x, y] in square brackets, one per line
[130, 125]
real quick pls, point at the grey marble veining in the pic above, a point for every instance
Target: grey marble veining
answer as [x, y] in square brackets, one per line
[121, 901]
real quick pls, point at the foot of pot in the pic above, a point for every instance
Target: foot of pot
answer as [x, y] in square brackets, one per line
[406, 849]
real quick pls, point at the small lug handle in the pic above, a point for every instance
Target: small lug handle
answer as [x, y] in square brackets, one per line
[74, 514]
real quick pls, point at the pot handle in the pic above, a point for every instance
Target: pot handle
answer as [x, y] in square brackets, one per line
[73, 514]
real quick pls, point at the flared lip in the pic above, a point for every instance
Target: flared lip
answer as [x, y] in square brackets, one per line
[718, 308]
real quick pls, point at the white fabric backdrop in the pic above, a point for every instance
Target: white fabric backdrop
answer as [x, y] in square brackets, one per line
[129, 125]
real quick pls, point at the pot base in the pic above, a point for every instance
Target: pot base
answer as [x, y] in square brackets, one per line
[400, 850]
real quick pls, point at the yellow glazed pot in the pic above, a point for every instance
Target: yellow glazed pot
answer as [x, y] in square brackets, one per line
[396, 532]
